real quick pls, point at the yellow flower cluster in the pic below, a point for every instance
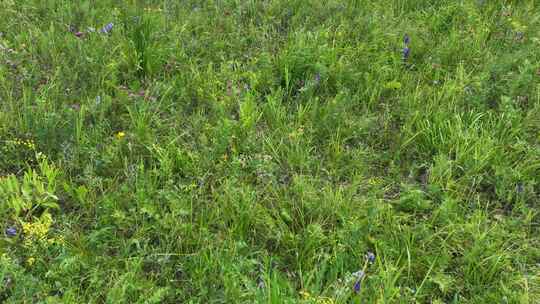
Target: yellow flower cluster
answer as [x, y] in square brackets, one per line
[155, 9]
[37, 231]
[375, 181]
[24, 146]
[30, 144]
[319, 300]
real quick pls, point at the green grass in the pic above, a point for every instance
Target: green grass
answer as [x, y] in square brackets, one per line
[255, 151]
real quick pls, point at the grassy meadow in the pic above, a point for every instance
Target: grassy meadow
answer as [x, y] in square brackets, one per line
[270, 151]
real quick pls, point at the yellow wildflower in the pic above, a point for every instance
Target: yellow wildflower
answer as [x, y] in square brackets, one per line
[305, 294]
[120, 135]
[30, 261]
[38, 230]
[324, 300]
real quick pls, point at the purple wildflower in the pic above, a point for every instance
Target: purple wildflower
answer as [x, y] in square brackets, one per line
[370, 257]
[406, 39]
[406, 52]
[358, 286]
[11, 231]
[359, 275]
[107, 28]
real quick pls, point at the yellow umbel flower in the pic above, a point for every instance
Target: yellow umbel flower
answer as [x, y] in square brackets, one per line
[37, 231]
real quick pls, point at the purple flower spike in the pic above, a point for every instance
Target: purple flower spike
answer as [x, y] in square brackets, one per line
[359, 275]
[406, 39]
[406, 52]
[370, 257]
[107, 28]
[11, 231]
[358, 286]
